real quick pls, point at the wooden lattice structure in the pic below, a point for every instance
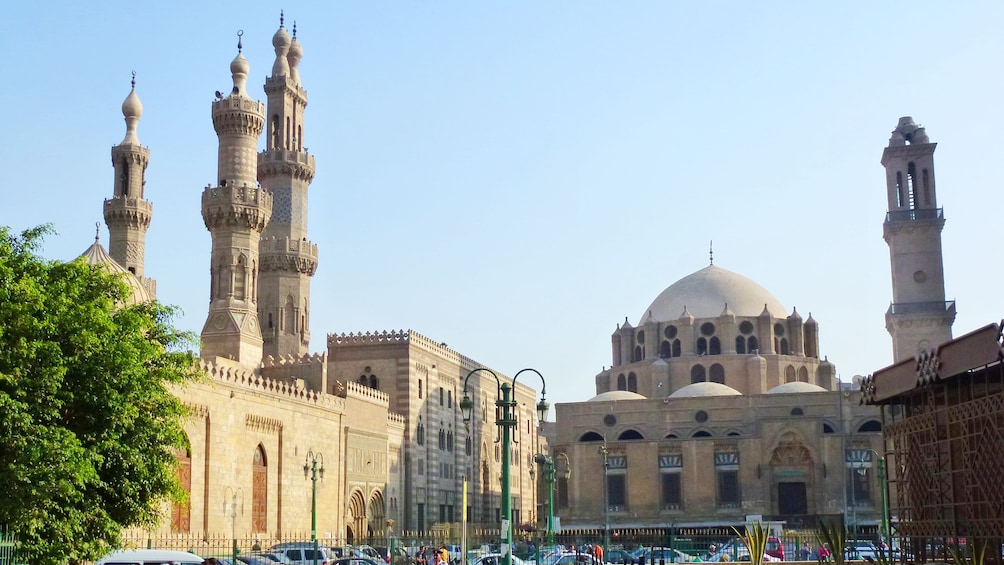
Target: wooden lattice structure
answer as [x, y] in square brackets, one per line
[944, 432]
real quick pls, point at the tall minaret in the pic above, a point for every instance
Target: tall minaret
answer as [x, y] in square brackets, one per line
[235, 212]
[127, 213]
[919, 317]
[288, 260]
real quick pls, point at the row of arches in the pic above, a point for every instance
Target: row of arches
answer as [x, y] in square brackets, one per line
[631, 434]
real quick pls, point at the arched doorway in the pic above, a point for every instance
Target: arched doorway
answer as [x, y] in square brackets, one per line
[356, 520]
[791, 476]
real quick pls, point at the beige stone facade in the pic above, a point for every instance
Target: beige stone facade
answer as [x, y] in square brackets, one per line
[378, 413]
[717, 406]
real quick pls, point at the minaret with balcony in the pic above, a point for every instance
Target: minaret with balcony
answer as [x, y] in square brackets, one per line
[127, 213]
[919, 317]
[288, 259]
[235, 212]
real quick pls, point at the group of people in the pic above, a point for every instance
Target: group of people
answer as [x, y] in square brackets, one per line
[426, 556]
[821, 554]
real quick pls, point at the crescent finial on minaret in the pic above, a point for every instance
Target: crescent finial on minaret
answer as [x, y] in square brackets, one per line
[134, 80]
[711, 251]
[282, 18]
[240, 44]
[97, 231]
[294, 29]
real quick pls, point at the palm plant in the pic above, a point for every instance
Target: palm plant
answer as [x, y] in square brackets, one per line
[979, 550]
[833, 536]
[755, 540]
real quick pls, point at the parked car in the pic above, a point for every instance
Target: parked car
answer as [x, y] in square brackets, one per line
[570, 558]
[301, 553]
[357, 560]
[662, 555]
[736, 551]
[255, 560]
[494, 559]
[619, 556]
[152, 556]
[401, 556]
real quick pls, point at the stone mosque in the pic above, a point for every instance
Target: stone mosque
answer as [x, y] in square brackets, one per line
[717, 404]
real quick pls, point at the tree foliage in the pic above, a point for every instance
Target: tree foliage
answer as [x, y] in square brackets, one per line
[90, 426]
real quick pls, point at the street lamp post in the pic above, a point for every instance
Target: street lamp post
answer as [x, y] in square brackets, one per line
[549, 476]
[885, 500]
[506, 422]
[233, 513]
[313, 467]
[606, 496]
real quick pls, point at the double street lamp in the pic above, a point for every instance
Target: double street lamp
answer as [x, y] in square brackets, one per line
[506, 421]
[547, 463]
[313, 468]
[606, 496]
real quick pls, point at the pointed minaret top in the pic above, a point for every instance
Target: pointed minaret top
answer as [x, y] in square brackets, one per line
[132, 109]
[240, 68]
[294, 56]
[281, 43]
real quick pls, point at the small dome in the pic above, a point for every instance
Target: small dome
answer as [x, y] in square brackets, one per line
[281, 38]
[699, 390]
[796, 387]
[705, 293]
[96, 255]
[239, 66]
[617, 395]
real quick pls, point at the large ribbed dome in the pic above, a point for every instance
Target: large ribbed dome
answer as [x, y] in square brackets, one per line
[96, 255]
[705, 294]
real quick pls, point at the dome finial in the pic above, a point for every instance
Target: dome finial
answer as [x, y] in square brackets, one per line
[240, 43]
[711, 251]
[294, 30]
[282, 18]
[97, 229]
[134, 80]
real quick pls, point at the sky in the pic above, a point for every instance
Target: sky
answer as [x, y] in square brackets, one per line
[517, 178]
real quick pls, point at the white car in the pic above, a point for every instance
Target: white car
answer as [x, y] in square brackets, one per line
[151, 557]
[570, 558]
[494, 559]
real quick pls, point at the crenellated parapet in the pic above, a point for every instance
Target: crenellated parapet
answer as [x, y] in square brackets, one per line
[381, 338]
[287, 254]
[238, 116]
[285, 85]
[242, 377]
[311, 369]
[356, 390]
[241, 206]
[128, 212]
[285, 163]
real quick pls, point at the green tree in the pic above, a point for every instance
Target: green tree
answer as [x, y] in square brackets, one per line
[90, 425]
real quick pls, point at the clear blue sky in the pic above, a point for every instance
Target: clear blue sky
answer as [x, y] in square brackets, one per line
[514, 178]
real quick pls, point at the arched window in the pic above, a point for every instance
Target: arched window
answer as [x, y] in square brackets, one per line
[789, 374]
[665, 349]
[717, 374]
[676, 348]
[753, 344]
[630, 434]
[449, 441]
[259, 491]
[828, 429]
[240, 278]
[467, 446]
[420, 432]
[740, 344]
[638, 355]
[702, 346]
[590, 436]
[911, 185]
[442, 439]
[621, 382]
[697, 374]
[784, 346]
[715, 347]
[275, 132]
[363, 380]
[701, 433]
[181, 513]
[632, 382]
[803, 375]
[927, 188]
[870, 426]
[374, 382]
[900, 192]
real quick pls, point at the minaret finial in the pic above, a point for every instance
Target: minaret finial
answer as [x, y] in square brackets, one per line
[282, 18]
[711, 251]
[240, 44]
[97, 232]
[134, 80]
[294, 29]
